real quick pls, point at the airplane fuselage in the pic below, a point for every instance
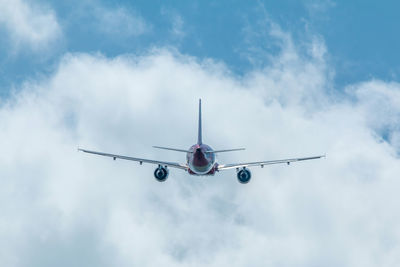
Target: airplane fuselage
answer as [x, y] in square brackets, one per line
[201, 160]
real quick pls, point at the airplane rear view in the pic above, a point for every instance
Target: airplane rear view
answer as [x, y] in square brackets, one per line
[201, 160]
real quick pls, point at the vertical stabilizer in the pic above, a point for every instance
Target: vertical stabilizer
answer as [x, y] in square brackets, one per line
[199, 137]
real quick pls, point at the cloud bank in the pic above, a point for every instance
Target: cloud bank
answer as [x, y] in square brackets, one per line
[28, 24]
[60, 207]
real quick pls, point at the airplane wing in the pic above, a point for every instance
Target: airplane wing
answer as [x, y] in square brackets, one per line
[163, 163]
[262, 163]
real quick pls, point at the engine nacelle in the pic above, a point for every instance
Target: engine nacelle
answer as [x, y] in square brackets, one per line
[161, 174]
[244, 176]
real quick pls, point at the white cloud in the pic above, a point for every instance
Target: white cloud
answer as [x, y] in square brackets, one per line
[177, 26]
[28, 24]
[319, 7]
[59, 205]
[120, 21]
[177, 30]
[380, 102]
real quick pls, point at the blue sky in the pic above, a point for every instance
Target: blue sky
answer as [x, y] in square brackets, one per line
[360, 36]
[285, 79]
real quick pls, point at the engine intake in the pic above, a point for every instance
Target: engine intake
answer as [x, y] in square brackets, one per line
[161, 174]
[244, 176]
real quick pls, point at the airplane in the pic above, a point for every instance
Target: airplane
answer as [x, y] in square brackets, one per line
[201, 160]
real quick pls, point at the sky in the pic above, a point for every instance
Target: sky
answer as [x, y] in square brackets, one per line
[283, 79]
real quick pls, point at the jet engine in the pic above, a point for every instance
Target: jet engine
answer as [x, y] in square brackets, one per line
[244, 176]
[161, 174]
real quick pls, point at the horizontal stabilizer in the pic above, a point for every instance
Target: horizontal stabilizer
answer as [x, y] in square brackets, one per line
[188, 151]
[173, 149]
[225, 150]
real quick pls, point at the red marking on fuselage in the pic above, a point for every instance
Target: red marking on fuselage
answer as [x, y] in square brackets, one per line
[199, 159]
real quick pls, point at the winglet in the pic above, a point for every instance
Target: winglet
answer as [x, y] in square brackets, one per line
[199, 137]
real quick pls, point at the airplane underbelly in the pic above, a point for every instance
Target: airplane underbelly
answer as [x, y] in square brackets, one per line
[201, 169]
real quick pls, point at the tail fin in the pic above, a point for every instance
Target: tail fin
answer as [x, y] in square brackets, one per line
[199, 137]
